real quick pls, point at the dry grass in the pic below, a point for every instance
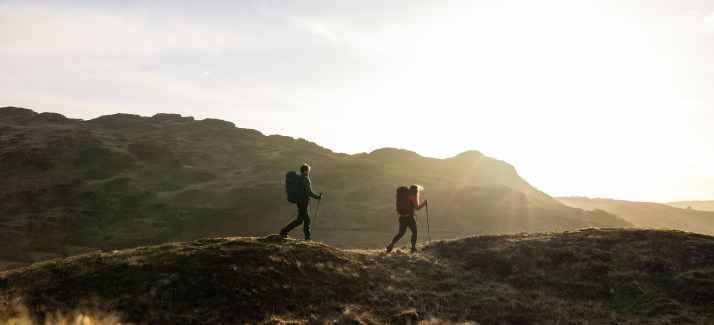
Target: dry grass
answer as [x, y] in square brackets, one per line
[589, 276]
[18, 314]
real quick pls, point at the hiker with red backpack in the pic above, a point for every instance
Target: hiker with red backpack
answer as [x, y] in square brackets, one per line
[299, 191]
[407, 204]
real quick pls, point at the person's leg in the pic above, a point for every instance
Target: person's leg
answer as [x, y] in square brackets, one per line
[305, 208]
[411, 223]
[302, 212]
[402, 231]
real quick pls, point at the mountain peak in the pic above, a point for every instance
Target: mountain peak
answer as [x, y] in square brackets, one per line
[11, 110]
[393, 153]
[468, 154]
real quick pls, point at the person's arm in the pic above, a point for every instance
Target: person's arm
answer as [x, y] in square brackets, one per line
[306, 188]
[416, 204]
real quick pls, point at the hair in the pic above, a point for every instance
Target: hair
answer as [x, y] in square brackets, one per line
[304, 168]
[415, 189]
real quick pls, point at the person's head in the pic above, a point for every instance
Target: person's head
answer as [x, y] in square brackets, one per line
[305, 169]
[415, 189]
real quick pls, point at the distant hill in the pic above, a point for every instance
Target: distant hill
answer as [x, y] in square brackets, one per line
[647, 214]
[694, 205]
[598, 276]
[71, 186]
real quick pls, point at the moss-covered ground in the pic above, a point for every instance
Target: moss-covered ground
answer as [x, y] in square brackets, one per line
[587, 276]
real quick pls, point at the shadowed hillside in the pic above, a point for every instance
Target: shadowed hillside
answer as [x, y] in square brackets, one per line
[120, 181]
[588, 276]
[694, 205]
[647, 214]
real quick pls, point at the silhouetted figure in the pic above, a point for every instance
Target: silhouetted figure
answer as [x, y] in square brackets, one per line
[407, 217]
[303, 204]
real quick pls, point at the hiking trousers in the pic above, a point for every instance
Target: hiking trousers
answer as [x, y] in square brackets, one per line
[405, 222]
[303, 216]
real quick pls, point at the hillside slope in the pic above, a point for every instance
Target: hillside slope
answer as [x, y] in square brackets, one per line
[648, 214]
[71, 186]
[694, 205]
[604, 276]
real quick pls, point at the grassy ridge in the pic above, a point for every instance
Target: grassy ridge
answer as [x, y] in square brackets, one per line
[694, 205]
[588, 276]
[648, 214]
[122, 181]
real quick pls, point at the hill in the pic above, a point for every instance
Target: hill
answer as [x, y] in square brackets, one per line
[603, 276]
[71, 186]
[647, 214]
[694, 205]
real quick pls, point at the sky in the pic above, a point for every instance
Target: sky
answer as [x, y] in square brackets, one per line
[611, 99]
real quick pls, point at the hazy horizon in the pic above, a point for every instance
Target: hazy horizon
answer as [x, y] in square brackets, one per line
[607, 99]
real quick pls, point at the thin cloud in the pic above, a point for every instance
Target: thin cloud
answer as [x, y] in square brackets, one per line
[318, 27]
[383, 38]
[709, 20]
[689, 166]
[35, 29]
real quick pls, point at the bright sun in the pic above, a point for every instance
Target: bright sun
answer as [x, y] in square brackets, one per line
[525, 57]
[514, 78]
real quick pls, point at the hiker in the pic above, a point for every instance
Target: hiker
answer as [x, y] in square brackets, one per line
[303, 203]
[407, 203]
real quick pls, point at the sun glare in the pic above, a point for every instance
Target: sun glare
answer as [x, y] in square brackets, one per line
[518, 70]
[518, 58]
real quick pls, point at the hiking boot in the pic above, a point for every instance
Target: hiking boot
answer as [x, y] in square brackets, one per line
[389, 248]
[308, 239]
[284, 234]
[414, 249]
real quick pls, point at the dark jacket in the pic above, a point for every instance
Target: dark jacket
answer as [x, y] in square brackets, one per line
[306, 188]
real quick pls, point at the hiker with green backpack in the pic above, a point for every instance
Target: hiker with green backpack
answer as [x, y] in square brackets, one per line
[299, 191]
[407, 204]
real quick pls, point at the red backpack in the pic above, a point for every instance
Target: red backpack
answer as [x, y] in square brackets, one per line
[403, 206]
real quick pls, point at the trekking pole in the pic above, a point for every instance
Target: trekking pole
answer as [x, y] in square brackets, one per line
[427, 222]
[291, 218]
[314, 221]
